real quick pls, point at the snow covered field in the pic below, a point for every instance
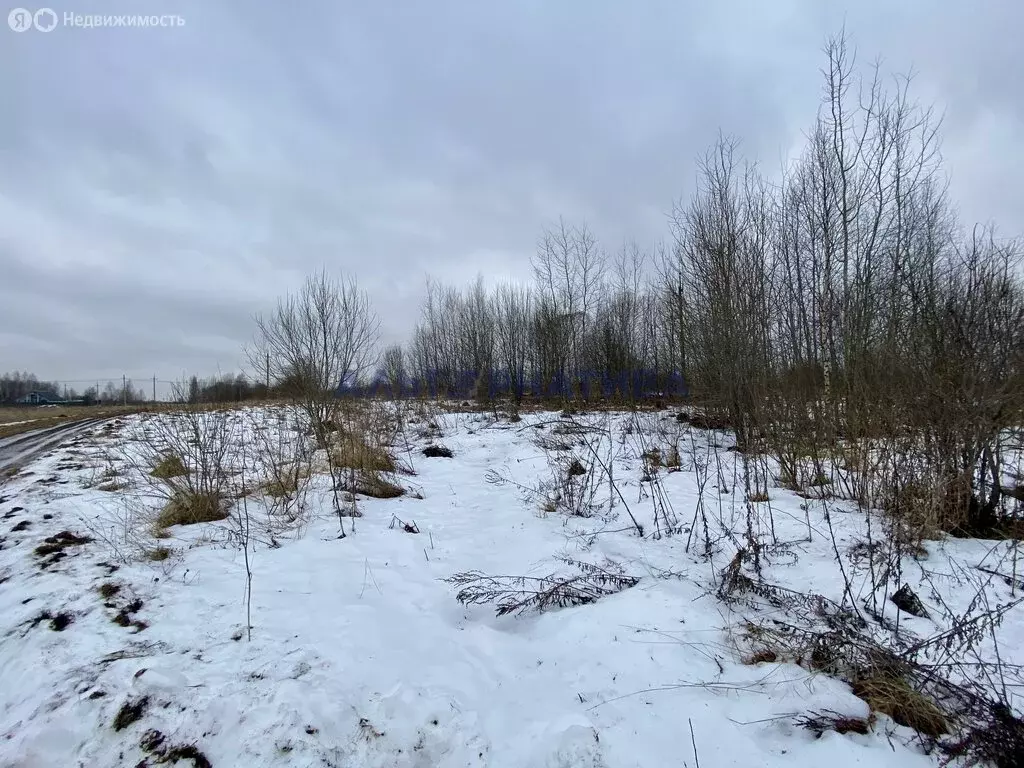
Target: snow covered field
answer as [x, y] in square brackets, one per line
[360, 654]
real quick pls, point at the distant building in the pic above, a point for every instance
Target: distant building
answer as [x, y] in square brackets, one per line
[40, 398]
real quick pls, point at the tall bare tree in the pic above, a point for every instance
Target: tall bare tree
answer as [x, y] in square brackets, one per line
[316, 342]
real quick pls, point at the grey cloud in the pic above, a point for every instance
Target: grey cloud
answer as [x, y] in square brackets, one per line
[159, 186]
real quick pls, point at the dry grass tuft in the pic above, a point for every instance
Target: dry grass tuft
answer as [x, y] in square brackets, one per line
[374, 485]
[353, 452]
[890, 694]
[168, 467]
[158, 554]
[189, 508]
[109, 589]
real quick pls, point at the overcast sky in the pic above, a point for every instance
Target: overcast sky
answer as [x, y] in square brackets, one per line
[159, 186]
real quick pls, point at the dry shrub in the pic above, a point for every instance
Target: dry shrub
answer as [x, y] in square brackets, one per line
[112, 486]
[820, 722]
[997, 739]
[758, 497]
[886, 691]
[189, 507]
[168, 467]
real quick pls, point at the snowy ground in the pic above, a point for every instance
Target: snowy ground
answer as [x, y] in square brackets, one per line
[361, 656]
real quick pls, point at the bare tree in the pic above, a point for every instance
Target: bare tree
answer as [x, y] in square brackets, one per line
[317, 342]
[393, 370]
[568, 267]
[512, 308]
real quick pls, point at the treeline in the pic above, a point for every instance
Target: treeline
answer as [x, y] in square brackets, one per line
[845, 300]
[215, 389]
[839, 299]
[590, 325]
[227, 388]
[847, 279]
[16, 385]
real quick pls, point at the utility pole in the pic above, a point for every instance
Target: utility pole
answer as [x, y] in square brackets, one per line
[154, 388]
[124, 389]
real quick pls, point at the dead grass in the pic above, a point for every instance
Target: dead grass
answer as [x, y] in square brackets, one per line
[820, 722]
[168, 467]
[891, 695]
[112, 486]
[130, 712]
[109, 589]
[189, 507]
[374, 485]
[354, 452]
[158, 554]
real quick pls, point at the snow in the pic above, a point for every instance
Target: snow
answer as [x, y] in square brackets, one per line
[361, 656]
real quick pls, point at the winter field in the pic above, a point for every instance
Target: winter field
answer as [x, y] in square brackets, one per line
[598, 590]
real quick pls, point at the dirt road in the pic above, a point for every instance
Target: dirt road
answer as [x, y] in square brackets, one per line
[16, 450]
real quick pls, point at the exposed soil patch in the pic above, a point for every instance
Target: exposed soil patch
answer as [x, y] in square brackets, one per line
[152, 740]
[437, 452]
[186, 752]
[58, 622]
[155, 743]
[126, 616]
[59, 542]
[108, 590]
[61, 621]
[22, 526]
[130, 712]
